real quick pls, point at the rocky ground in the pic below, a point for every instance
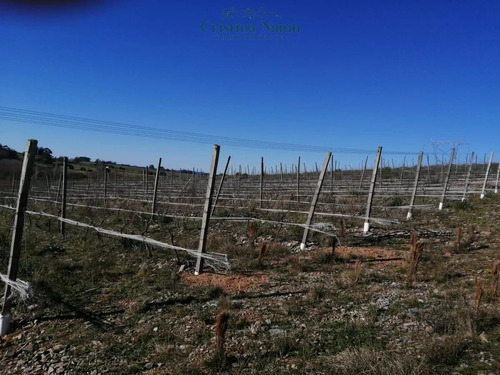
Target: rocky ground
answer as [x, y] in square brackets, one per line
[101, 306]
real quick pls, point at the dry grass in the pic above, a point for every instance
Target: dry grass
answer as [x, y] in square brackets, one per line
[375, 362]
[356, 276]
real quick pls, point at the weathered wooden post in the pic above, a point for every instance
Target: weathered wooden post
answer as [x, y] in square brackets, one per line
[298, 180]
[366, 227]
[220, 185]
[147, 182]
[59, 184]
[155, 192]
[402, 171]
[261, 179]
[415, 186]
[281, 174]
[315, 200]
[62, 224]
[17, 232]
[13, 183]
[498, 177]
[428, 168]
[486, 175]
[207, 209]
[363, 173]
[331, 175]
[467, 177]
[105, 171]
[445, 187]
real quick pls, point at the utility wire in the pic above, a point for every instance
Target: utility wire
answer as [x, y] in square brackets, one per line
[112, 127]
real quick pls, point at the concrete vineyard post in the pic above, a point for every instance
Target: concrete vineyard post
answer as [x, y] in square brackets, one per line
[105, 171]
[467, 177]
[17, 232]
[261, 179]
[281, 174]
[486, 175]
[315, 199]
[147, 182]
[155, 192]
[366, 227]
[298, 180]
[498, 176]
[415, 185]
[207, 209]
[447, 179]
[331, 175]
[48, 186]
[62, 226]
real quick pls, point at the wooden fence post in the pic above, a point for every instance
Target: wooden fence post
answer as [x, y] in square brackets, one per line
[62, 226]
[261, 179]
[402, 171]
[155, 192]
[447, 179]
[17, 232]
[220, 185]
[105, 171]
[48, 186]
[281, 174]
[486, 175]
[366, 227]
[415, 186]
[363, 173]
[331, 175]
[467, 177]
[315, 200]
[13, 183]
[498, 177]
[298, 180]
[147, 182]
[207, 209]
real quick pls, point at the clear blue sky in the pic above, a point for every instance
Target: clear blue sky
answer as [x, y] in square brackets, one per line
[353, 76]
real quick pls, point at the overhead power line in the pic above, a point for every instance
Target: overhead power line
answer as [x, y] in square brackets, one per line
[112, 127]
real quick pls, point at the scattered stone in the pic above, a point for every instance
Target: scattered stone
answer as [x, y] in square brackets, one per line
[277, 332]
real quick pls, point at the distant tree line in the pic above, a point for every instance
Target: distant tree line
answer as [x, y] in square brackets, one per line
[7, 153]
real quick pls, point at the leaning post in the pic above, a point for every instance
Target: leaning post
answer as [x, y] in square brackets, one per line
[315, 200]
[17, 232]
[498, 177]
[155, 192]
[105, 170]
[207, 209]
[220, 185]
[366, 227]
[467, 177]
[298, 180]
[62, 224]
[486, 175]
[415, 186]
[261, 179]
[447, 179]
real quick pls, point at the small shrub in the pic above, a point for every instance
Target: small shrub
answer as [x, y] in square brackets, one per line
[461, 205]
[219, 360]
[447, 350]
[495, 278]
[416, 248]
